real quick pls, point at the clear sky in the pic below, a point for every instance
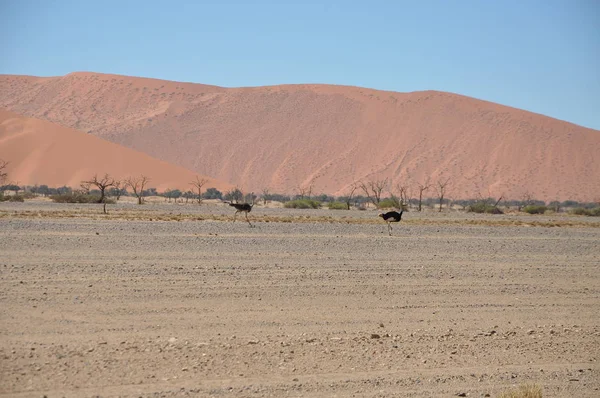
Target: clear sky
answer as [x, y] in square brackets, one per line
[538, 55]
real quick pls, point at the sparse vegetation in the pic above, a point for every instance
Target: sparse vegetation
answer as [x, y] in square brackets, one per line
[12, 198]
[389, 203]
[524, 391]
[582, 211]
[235, 195]
[75, 197]
[337, 206]
[212, 193]
[535, 209]
[481, 207]
[302, 204]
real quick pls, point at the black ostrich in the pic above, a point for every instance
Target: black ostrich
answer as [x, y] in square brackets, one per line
[390, 217]
[243, 207]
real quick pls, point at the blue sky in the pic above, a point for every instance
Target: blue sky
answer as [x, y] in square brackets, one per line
[542, 56]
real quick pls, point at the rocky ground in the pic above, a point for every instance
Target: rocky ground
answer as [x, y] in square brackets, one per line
[93, 306]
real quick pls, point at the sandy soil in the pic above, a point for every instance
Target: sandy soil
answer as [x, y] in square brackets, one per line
[115, 307]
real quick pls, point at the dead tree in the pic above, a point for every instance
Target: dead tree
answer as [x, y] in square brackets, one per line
[198, 183]
[137, 185]
[404, 192]
[102, 183]
[442, 186]
[3, 172]
[526, 200]
[374, 190]
[353, 189]
[423, 186]
[265, 195]
[117, 189]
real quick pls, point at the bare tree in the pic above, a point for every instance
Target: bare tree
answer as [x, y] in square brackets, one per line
[302, 191]
[137, 185]
[265, 195]
[442, 186]
[102, 183]
[374, 189]
[3, 172]
[117, 190]
[198, 183]
[85, 188]
[526, 200]
[422, 187]
[404, 192]
[351, 192]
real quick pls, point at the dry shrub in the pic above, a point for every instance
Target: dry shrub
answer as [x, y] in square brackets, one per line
[523, 391]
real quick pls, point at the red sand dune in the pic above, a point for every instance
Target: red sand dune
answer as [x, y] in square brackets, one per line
[41, 152]
[290, 136]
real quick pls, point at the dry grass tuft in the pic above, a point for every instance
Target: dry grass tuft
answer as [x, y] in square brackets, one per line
[523, 391]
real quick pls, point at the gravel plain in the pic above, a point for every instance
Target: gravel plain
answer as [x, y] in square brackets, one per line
[180, 301]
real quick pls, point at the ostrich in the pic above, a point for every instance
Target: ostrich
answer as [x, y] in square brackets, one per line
[243, 207]
[390, 217]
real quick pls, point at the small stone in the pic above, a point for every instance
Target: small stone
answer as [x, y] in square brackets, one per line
[375, 336]
[172, 340]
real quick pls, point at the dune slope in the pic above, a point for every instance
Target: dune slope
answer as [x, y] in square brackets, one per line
[41, 152]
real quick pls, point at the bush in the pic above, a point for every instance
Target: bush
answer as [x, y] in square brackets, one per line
[76, 197]
[12, 198]
[389, 203]
[337, 206]
[523, 391]
[535, 209]
[481, 207]
[302, 204]
[580, 211]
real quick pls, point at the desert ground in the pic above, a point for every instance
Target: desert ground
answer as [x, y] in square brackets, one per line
[176, 300]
